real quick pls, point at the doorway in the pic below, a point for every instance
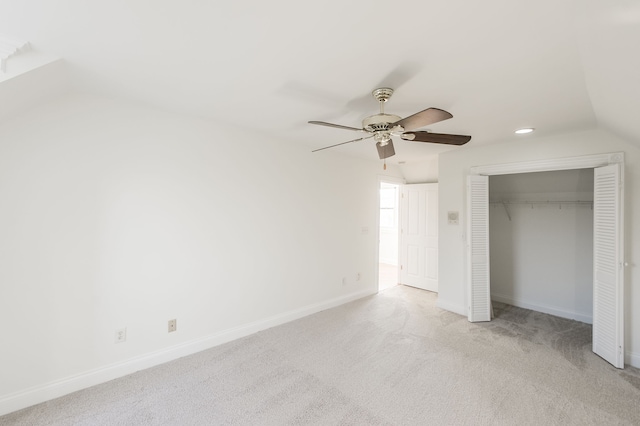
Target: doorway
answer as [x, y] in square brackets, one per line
[388, 236]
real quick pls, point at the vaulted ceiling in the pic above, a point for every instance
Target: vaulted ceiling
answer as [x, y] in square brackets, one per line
[496, 65]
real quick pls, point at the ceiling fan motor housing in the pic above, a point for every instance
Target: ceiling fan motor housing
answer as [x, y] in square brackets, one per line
[380, 122]
[381, 125]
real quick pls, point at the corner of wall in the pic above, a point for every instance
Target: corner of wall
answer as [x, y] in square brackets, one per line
[632, 359]
[451, 307]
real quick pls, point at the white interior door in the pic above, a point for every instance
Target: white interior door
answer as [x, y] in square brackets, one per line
[608, 276]
[419, 236]
[479, 303]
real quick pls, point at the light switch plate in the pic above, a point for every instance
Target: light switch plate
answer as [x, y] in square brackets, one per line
[452, 218]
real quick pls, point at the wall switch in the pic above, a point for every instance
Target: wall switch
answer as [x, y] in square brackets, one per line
[121, 335]
[452, 218]
[173, 325]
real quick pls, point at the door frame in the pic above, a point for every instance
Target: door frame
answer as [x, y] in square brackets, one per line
[568, 163]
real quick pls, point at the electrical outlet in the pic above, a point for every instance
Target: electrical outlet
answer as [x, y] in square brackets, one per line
[344, 280]
[173, 325]
[121, 335]
[358, 276]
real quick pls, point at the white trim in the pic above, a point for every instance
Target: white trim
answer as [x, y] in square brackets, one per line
[546, 309]
[391, 179]
[567, 163]
[58, 388]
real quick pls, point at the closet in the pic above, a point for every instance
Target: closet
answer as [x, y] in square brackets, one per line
[608, 245]
[541, 241]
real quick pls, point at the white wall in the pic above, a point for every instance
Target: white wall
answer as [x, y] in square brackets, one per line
[542, 254]
[455, 166]
[425, 171]
[113, 215]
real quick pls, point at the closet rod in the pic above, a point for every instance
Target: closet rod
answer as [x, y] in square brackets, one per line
[542, 202]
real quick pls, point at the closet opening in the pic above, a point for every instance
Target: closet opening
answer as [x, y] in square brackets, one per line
[608, 243]
[541, 242]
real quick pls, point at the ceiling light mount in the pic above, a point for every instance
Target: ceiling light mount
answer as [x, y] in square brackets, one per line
[382, 94]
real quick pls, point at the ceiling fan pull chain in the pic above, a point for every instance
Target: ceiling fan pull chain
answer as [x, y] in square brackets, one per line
[385, 164]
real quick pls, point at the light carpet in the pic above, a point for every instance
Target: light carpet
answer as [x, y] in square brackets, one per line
[389, 359]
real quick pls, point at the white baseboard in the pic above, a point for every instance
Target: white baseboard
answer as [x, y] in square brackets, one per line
[551, 310]
[632, 359]
[58, 388]
[453, 307]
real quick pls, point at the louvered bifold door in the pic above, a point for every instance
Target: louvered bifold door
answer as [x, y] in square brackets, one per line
[478, 293]
[608, 280]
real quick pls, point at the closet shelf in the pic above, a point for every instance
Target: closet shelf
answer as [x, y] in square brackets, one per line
[506, 203]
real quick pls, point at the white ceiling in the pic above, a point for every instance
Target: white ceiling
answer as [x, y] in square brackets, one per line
[496, 65]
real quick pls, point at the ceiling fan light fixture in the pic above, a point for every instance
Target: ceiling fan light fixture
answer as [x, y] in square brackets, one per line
[408, 136]
[524, 130]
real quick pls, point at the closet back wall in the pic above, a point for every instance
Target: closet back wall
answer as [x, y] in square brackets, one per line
[541, 240]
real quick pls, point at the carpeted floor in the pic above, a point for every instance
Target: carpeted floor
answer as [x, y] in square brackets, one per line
[389, 359]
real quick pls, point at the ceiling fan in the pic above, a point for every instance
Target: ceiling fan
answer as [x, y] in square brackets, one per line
[381, 127]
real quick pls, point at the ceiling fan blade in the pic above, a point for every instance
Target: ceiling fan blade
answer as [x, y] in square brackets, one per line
[337, 126]
[342, 143]
[385, 151]
[423, 118]
[436, 138]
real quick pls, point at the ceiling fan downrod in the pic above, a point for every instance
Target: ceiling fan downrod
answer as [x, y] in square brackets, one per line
[382, 95]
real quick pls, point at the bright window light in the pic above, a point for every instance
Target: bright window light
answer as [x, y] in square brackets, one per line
[524, 131]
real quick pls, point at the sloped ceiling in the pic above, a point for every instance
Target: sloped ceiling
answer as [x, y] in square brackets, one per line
[610, 38]
[496, 65]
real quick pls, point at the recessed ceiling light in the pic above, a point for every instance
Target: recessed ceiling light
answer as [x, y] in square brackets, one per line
[525, 130]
